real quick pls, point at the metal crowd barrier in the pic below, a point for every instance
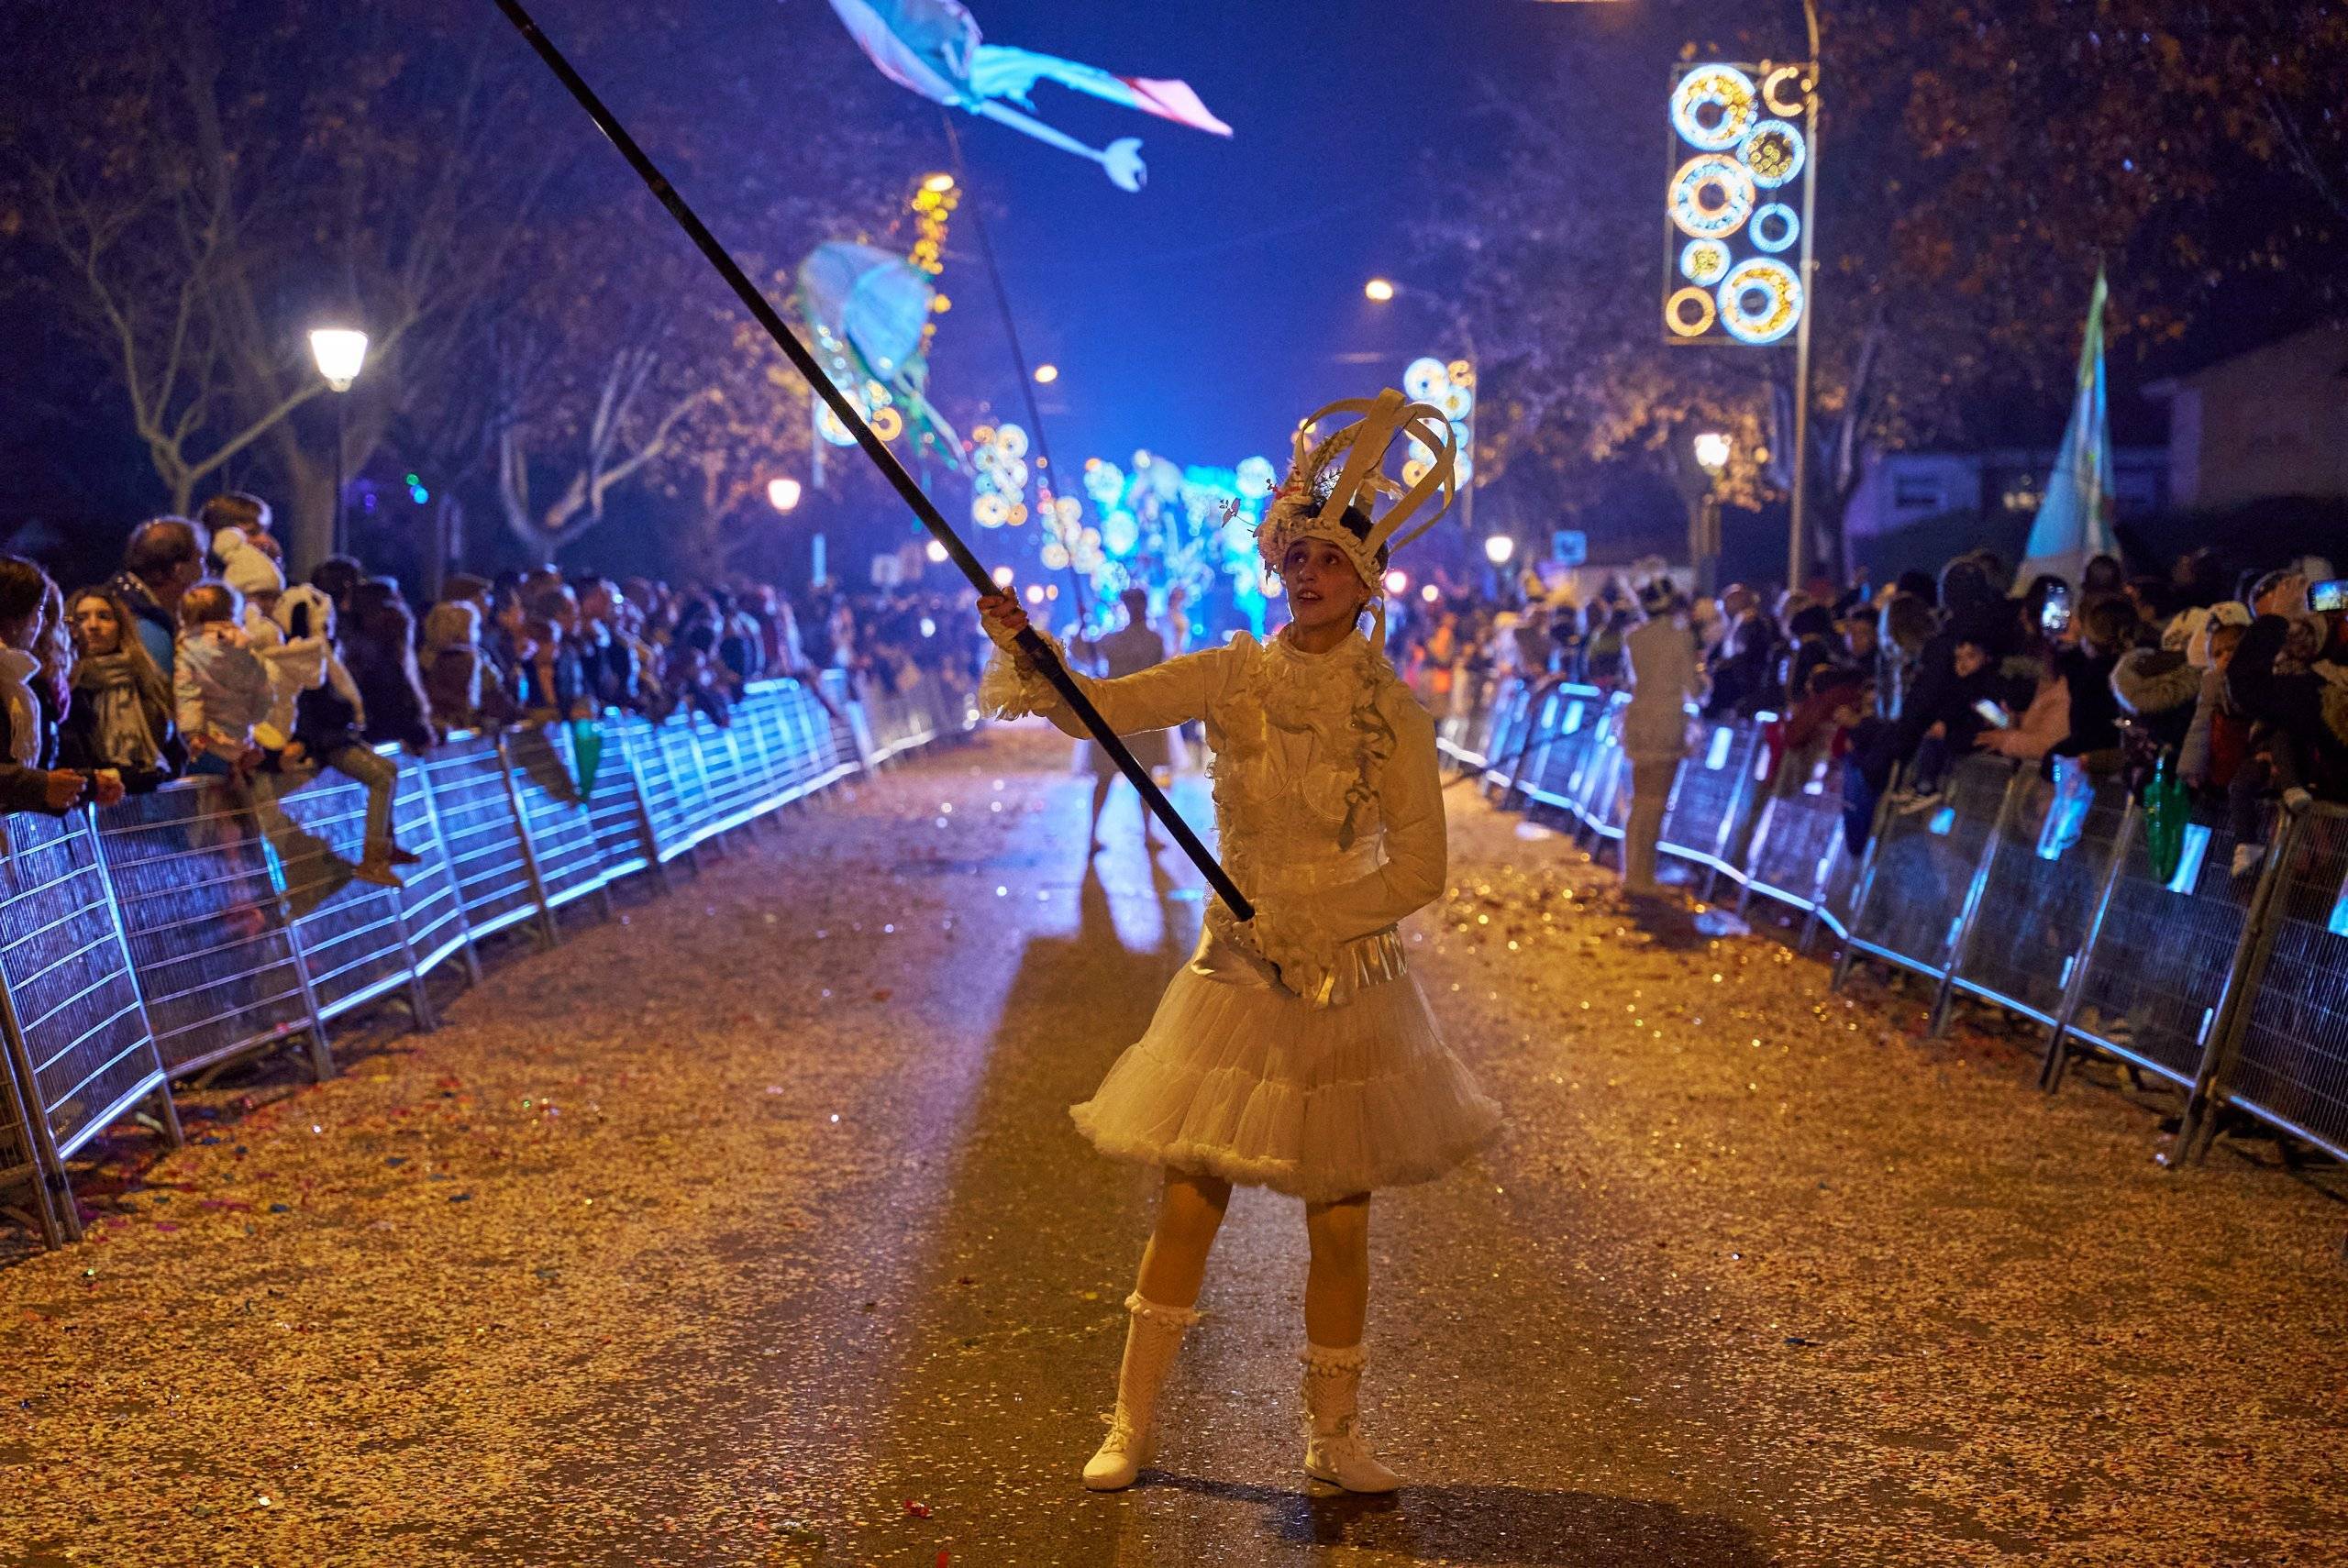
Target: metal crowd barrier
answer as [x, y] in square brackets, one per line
[2031, 889]
[177, 932]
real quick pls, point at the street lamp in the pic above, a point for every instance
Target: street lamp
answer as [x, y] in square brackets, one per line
[339, 351]
[1046, 374]
[783, 494]
[1381, 291]
[937, 184]
[1499, 549]
[1712, 450]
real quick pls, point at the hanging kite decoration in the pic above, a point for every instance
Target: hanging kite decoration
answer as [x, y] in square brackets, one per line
[931, 48]
[868, 313]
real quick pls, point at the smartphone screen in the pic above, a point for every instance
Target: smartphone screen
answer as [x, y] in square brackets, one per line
[1991, 714]
[2056, 615]
[2331, 595]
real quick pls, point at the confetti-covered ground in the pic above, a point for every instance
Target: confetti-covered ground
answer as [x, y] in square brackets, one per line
[750, 1228]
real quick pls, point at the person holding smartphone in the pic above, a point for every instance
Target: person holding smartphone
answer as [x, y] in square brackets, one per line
[1960, 710]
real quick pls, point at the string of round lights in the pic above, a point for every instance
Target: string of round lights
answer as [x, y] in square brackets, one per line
[1760, 301]
[1774, 153]
[1726, 183]
[1713, 107]
[1783, 92]
[1678, 309]
[1774, 229]
[1706, 261]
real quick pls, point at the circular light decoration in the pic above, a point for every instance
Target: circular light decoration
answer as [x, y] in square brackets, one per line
[1017, 514]
[1461, 373]
[1015, 475]
[1456, 403]
[1256, 477]
[888, 424]
[1690, 313]
[1781, 92]
[1011, 441]
[1104, 482]
[1425, 380]
[989, 511]
[1065, 509]
[1711, 197]
[1055, 558]
[1705, 261]
[1414, 470]
[829, 425]
[1774, 153]
[1761, 301]
[1714, 106]
[1119, 533]
[1774, 229]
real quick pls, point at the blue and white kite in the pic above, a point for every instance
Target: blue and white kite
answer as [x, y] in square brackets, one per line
[933, 48]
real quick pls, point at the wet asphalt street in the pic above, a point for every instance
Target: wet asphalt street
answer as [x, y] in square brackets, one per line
[812, 1269]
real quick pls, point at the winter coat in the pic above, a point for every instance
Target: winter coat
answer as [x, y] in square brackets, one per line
[25, 743]
[1664, 679]
[328, 714]
[220, 688]
[2043, 725]
[2159, 689]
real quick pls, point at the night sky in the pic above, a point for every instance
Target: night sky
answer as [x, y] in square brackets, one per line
[1202, 316]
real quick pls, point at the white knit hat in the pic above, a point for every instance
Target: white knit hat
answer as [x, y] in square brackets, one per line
[243, 566]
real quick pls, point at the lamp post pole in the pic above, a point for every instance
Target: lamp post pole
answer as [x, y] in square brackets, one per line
[1797, 542]
[342, 511]
[339, 351]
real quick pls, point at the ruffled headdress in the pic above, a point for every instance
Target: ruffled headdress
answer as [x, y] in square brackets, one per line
[1335, 485]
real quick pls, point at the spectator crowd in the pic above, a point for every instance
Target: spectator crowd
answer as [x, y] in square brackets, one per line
[199, 659]
[2234, 685]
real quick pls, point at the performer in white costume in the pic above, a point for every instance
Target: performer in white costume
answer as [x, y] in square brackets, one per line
[1295, 1051]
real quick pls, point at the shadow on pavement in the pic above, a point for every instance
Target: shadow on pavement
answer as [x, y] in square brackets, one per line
[1496, 1525]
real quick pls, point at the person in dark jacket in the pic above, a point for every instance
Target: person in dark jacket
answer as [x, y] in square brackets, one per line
[380, 649]
[2107, 628]
[162, 560]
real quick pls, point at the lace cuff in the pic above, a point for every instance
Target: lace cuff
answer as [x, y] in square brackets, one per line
[1013, 689]
[1305, 954]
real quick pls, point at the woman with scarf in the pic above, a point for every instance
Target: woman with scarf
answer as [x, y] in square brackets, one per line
[120, 718]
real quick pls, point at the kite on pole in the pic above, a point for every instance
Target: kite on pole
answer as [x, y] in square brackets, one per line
[931, 48]
[1032, 646]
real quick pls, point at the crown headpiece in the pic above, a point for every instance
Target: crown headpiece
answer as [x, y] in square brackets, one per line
[1335, 485]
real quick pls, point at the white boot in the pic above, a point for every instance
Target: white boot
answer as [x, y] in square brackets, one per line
[1151, 1338]
[1333, 1449]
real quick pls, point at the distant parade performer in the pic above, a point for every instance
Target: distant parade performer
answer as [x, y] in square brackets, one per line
[1295, 1051]
[1130, 649]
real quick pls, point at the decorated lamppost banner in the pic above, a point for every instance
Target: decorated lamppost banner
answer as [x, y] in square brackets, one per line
[1737, 247]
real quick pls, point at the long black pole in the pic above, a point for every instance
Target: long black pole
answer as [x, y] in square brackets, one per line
[1032, 646]
[1051, 484]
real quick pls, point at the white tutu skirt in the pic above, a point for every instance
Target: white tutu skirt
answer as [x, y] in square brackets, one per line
[1241, 1079]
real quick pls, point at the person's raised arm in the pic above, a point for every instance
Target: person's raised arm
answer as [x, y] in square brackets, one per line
[1158, 698]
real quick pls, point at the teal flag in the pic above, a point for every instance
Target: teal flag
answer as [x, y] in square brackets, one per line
[586, 754]
[2075, 519]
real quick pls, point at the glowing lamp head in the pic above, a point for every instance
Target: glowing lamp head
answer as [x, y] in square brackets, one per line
[1046, 374]
[935, 551]
[1398, 583]
[937, 184]
[1711, 451]
[1035, 593]
[339, 351]
[1002, 574]
[1378, 289]
[783, 494]
[1430, 593]
[1499, 549]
